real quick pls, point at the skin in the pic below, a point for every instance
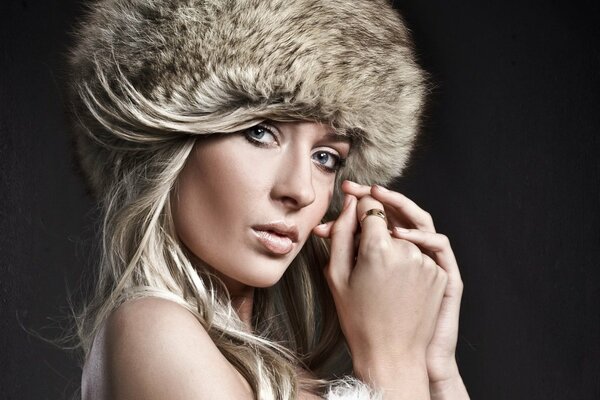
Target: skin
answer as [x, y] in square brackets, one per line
[230, 184]
[283, 179]
[403, 344]
[413, 236]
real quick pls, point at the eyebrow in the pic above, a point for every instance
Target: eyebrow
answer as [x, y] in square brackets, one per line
[337, 137]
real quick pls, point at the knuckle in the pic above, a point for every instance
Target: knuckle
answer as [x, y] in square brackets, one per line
[336, 230]
[374, 246]
[442, 276]
[413, 253]
[366, 198]
[427, 260]
[327, 272]
[331, 277]
[427, 217]
[430, 266]
[367, 202]
[444, 240]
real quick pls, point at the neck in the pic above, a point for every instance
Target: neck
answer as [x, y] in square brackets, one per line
[242, 304]
[242, 296]
[242, 299]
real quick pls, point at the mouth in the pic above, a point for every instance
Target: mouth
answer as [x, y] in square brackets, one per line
[278, 237]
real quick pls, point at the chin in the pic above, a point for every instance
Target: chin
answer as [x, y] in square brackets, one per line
[266, 273]
[263, 270]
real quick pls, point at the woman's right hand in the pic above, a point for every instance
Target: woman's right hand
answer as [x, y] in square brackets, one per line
[387, 294]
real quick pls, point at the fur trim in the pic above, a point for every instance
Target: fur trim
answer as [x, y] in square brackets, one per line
[352, 389]
[154, 70]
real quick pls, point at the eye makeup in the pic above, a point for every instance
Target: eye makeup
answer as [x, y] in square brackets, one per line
[258, 135]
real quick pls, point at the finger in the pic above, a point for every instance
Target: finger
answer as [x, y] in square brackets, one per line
[355, 189]
[342, 231]
[437, 244]
[420, 218]
[360, 191]
[368, 203]
[375, 237]
[323, 230]
[396, 219]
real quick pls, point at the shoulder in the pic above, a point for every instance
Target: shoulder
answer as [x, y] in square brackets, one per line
[153, 348]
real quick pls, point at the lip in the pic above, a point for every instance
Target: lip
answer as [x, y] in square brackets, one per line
[277, 237]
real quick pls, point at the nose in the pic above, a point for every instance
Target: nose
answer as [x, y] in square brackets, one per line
[294, 182]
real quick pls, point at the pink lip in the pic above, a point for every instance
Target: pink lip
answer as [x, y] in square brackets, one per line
[278, 237]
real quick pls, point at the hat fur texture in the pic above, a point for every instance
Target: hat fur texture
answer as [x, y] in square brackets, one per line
[151, 71]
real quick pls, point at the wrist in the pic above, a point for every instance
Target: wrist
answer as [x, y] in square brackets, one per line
[450, 388]
[393, 374]
[441, 370]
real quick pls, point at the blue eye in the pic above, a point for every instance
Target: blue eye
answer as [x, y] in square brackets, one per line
[327, 161]
[260, 135]
[263, 136]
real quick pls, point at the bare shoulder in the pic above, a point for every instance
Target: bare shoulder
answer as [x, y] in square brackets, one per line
[155, 349]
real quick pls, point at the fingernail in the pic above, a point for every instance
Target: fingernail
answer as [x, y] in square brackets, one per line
[381, 188]
[353, 184]
[401, 230]
[321, 226]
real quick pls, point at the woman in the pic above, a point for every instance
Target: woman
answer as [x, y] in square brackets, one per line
[219, 137]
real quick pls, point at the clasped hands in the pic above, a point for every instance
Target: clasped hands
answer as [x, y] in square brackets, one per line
[397, 292]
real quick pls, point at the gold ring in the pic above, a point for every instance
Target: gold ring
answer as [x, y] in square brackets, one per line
[373, 211]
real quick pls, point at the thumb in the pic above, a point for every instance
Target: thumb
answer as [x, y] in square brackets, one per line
[342, 233]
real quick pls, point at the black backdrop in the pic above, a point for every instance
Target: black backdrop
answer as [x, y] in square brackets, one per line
[506, 165]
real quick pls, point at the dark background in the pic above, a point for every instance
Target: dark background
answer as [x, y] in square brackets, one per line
[506, 165]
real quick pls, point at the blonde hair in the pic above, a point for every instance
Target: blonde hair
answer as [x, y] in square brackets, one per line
[295, 321]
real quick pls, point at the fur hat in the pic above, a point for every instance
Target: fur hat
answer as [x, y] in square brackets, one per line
[151, 71]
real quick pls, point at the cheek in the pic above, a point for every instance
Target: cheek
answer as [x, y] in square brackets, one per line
[327, 200]
[205, 201]
[324, 189]
[228, 174]
[218, 190]
[223, 189]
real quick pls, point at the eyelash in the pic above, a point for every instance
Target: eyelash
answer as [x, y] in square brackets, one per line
[340, 162]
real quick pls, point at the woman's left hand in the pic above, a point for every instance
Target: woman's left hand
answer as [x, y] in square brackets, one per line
[418, 228]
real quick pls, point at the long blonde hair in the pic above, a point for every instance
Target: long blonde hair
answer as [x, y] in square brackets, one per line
[295, 323]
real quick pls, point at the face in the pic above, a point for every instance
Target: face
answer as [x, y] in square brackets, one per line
[246, 202]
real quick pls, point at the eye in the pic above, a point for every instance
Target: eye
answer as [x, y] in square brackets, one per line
[260, 135]
[328, 161]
